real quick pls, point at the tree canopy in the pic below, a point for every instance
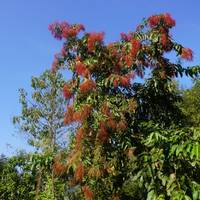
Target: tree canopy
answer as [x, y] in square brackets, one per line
[130, 141]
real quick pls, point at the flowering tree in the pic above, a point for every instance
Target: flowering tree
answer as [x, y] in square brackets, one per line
[129, 144]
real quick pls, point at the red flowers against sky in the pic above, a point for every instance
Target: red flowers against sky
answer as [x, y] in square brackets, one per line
[158, 19]
[64, 30]
[93, 38]
[187, 54]
[135, 47]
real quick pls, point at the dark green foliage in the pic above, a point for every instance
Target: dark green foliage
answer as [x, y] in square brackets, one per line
[190, 104]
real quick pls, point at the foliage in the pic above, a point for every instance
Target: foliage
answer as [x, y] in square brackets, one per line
[16, 179]
[42, 115]
[190, 104]
[129, 141]
[42, 121]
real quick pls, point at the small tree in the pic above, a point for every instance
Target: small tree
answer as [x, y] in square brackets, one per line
[42, 115]
[129, 142]
[42, 121]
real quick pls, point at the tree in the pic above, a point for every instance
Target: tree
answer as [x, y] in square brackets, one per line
[190, 104]
[42, 121]
[42, 115]
[128, 142]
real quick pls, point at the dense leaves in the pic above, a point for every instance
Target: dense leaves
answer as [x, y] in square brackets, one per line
[130, 141]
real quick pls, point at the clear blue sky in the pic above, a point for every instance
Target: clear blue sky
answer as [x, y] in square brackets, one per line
[27, 47]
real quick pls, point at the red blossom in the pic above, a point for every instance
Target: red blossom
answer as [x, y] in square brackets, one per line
[102, 133]
[126, 37]
[169, 21]
[87, 193]
[163, 39]
[82, 114]
[115, 83]
[111, 123]
[154, 20]
[58, 168]
[135, 47]
[128, 60]
[125, 80]
[81, 69]
[165, 18]
[68, 117]
[187, 54]
[87, 85]
[79, 173]
[66, 91]
[72, 30]
[79, 137]
[64, 30]
[93, 38]
[56, 29]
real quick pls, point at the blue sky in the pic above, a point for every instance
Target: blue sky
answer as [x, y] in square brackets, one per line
[27, 47]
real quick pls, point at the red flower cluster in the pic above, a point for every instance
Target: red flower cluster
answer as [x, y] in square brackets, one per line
[126, 37]
[93, 38]
[115, 83]
[165, 18]
[125, 80]
[79, 137]
[68, 118]
[187, 54]
[82, 114]
[72, 31]
[87, 85]
[78, 116]
[102, 133]
[135, 47]
[122, 80]
[163, 39]
[56, 29]
[67, 91]
[111, 123]
[128, 60]
[81, 69]
[87, 193]
[58, 168]
[64, 30]
[169, 21]
[79, 173]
